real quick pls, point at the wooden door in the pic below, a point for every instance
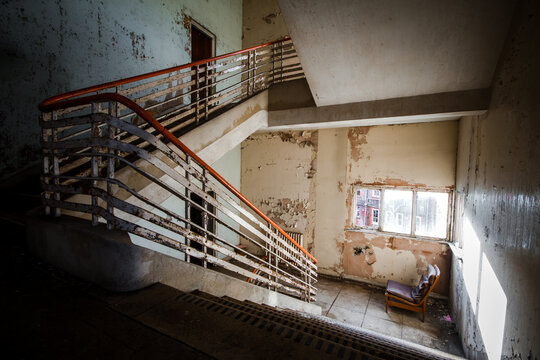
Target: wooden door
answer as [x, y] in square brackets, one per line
[201, 48]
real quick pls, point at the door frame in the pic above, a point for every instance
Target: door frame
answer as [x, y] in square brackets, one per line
[205, 31]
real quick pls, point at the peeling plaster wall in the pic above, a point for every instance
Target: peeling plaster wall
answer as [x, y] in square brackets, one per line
[262, 22]
[495, 291]
[53, 47]
[413, 155]
[276, 175]
[278, 171]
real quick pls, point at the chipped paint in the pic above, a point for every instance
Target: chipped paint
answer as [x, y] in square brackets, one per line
[289, 156]
[498, 196]
[51, 47]
[262, 22]
[384, 258]
[357, 138]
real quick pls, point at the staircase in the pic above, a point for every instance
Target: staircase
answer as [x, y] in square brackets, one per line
[103, 146]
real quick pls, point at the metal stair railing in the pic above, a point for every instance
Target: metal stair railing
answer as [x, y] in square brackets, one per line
[94, 139]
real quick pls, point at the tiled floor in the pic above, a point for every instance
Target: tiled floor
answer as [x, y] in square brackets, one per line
[364, 306]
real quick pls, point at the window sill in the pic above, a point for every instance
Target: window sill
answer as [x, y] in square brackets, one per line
[385, 233]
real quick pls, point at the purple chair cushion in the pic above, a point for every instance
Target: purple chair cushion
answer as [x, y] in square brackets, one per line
[398, 289]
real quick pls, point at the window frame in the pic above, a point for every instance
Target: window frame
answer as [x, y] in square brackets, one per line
[414, 190]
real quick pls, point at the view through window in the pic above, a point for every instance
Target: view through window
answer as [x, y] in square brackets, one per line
[420, 213]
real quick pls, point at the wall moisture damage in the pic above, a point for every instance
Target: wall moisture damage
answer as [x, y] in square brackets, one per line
[50, 47]
[262, 22]
[304, 181]
[412, 156]
[278, 171]
[495, 290]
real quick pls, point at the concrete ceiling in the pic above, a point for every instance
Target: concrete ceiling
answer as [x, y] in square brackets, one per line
[355, 51]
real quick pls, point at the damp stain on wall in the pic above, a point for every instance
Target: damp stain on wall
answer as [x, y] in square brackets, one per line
[278, 171]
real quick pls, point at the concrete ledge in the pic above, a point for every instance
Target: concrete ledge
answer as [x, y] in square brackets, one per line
[413, 109]
[109, 259]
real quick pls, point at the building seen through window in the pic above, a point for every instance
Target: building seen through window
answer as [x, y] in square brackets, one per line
[418, 213]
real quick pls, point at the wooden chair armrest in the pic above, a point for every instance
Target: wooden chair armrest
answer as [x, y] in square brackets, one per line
[405, 301]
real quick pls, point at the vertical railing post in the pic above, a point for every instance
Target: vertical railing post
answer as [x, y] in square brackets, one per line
[197, 94]
[282, 44]
[273, 63]
[308, 279]
[188, 207]
[205, 216]
[254, 71]
[206, 91]
[113, 112]
[276, 261]
[249, 74]
[94, 162]
[56, 167]
[45, 138]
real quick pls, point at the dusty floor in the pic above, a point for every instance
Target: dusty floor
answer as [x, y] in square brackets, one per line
[364, 306]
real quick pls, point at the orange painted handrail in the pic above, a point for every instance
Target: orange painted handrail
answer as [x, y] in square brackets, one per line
[58, 104]
[111, 84]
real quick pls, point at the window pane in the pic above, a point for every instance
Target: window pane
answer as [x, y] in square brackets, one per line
[397, 210]
[431, 214]
[367, 207]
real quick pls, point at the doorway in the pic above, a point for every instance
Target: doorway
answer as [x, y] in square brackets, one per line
[202, 47]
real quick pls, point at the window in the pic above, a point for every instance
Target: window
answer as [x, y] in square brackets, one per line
[367, 208]
[416, 212]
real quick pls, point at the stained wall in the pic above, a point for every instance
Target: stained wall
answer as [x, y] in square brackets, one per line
[277, 176]
[53, 47]
[305, 181]
[495, 290]
[413, 156]
[262, 22]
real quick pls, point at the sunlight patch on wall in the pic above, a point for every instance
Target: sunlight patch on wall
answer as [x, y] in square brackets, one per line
[491, 310]
[471, 261]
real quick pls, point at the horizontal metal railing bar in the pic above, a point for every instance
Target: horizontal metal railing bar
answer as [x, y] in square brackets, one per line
[55, 99]
[143, 134]
[135, 211]
[177, 99]
[104, 142]
[164, 240]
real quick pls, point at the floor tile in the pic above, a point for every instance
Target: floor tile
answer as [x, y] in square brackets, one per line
[346, 315]
[436, 332]
[376, 308]
[354, 301]
[382, 326]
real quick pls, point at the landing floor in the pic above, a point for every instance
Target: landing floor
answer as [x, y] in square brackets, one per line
[364, 306]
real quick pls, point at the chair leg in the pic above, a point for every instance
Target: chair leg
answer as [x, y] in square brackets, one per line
[386, 304]
[424, 311]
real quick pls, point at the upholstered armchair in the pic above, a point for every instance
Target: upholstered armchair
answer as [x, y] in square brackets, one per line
[412, 298]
